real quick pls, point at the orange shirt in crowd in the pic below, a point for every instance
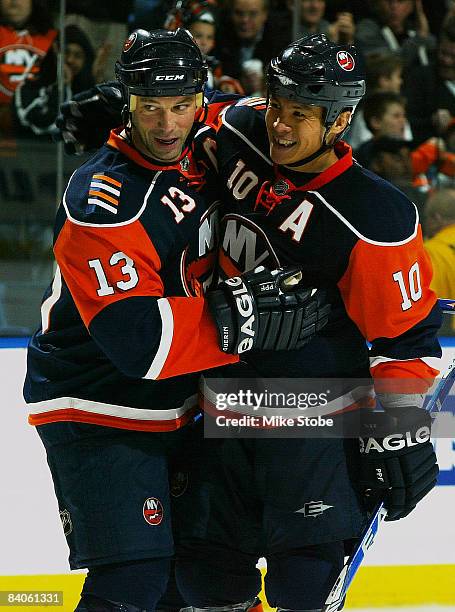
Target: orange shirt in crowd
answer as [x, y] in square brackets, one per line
[20, 57]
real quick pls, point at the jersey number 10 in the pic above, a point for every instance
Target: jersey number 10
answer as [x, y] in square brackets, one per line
[415, 286]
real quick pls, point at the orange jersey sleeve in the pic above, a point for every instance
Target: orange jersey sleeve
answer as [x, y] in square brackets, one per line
[113, 275]
[386, 291]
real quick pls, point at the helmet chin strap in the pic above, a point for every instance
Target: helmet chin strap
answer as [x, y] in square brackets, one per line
[322, 149]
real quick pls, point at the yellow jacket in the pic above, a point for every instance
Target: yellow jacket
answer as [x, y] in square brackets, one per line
[441, 249]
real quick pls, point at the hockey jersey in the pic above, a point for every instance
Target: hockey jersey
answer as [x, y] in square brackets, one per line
[125, 327]
[20, 57]
[351, 233]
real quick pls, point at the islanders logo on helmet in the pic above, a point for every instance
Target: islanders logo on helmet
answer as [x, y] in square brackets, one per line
[153, 511]
[345, 60]
[129, 42]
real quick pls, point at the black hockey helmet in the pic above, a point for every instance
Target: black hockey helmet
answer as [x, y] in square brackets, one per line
[161, 63]
[313, 70]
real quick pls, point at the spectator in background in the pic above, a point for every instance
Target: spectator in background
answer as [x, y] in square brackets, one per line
[385, 115]
[384, 74]
[399, 26]
[440, 245]
[26, 34]
[200, 18]
[252, 78]
[430, 90]
[36, 100]
[248, 31]
[414, 171]
[391, 159]
[312, 21]
[104, 23]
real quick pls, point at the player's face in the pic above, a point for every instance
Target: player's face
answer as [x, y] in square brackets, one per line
[295, 130]
[161, 125]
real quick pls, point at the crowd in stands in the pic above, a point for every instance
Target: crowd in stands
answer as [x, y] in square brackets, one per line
[404, 130]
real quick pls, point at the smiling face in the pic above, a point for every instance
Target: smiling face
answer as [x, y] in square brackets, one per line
[161, 125]
[295, 130]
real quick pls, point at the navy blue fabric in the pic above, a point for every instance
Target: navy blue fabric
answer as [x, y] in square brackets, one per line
[302, 579]
[140, 583]
[103, 477]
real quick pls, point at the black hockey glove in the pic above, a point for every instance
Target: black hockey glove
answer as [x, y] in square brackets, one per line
[85, 121]
[397, 458]
[266, 310]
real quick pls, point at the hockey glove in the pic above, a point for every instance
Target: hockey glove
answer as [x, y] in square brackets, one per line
[397, 459]
[266, 310]
[85, 121]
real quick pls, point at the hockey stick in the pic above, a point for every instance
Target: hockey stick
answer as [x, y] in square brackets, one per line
[447, 306]
[342, 583]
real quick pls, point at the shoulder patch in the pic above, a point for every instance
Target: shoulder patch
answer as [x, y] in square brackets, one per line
[107, 190]
[104, 191]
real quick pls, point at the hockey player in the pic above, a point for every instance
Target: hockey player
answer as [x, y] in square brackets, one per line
[125, 324]
[297, 196]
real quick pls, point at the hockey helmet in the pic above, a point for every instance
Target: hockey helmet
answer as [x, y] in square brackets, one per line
[161, 63]
[315, 71]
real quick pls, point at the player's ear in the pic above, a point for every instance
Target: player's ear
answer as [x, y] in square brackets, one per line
[341, 122]
[338, 126]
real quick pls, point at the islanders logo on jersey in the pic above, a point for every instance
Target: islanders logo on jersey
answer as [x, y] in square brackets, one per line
[345, 60]
[244, 246]
[198, 260]
[153, 511]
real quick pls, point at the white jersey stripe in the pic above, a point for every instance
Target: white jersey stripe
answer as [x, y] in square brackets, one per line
[361, 236]
[106, 187]
[167, 333]
[47, 305]
[433, 362]
[112, 209]
[114, 410]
